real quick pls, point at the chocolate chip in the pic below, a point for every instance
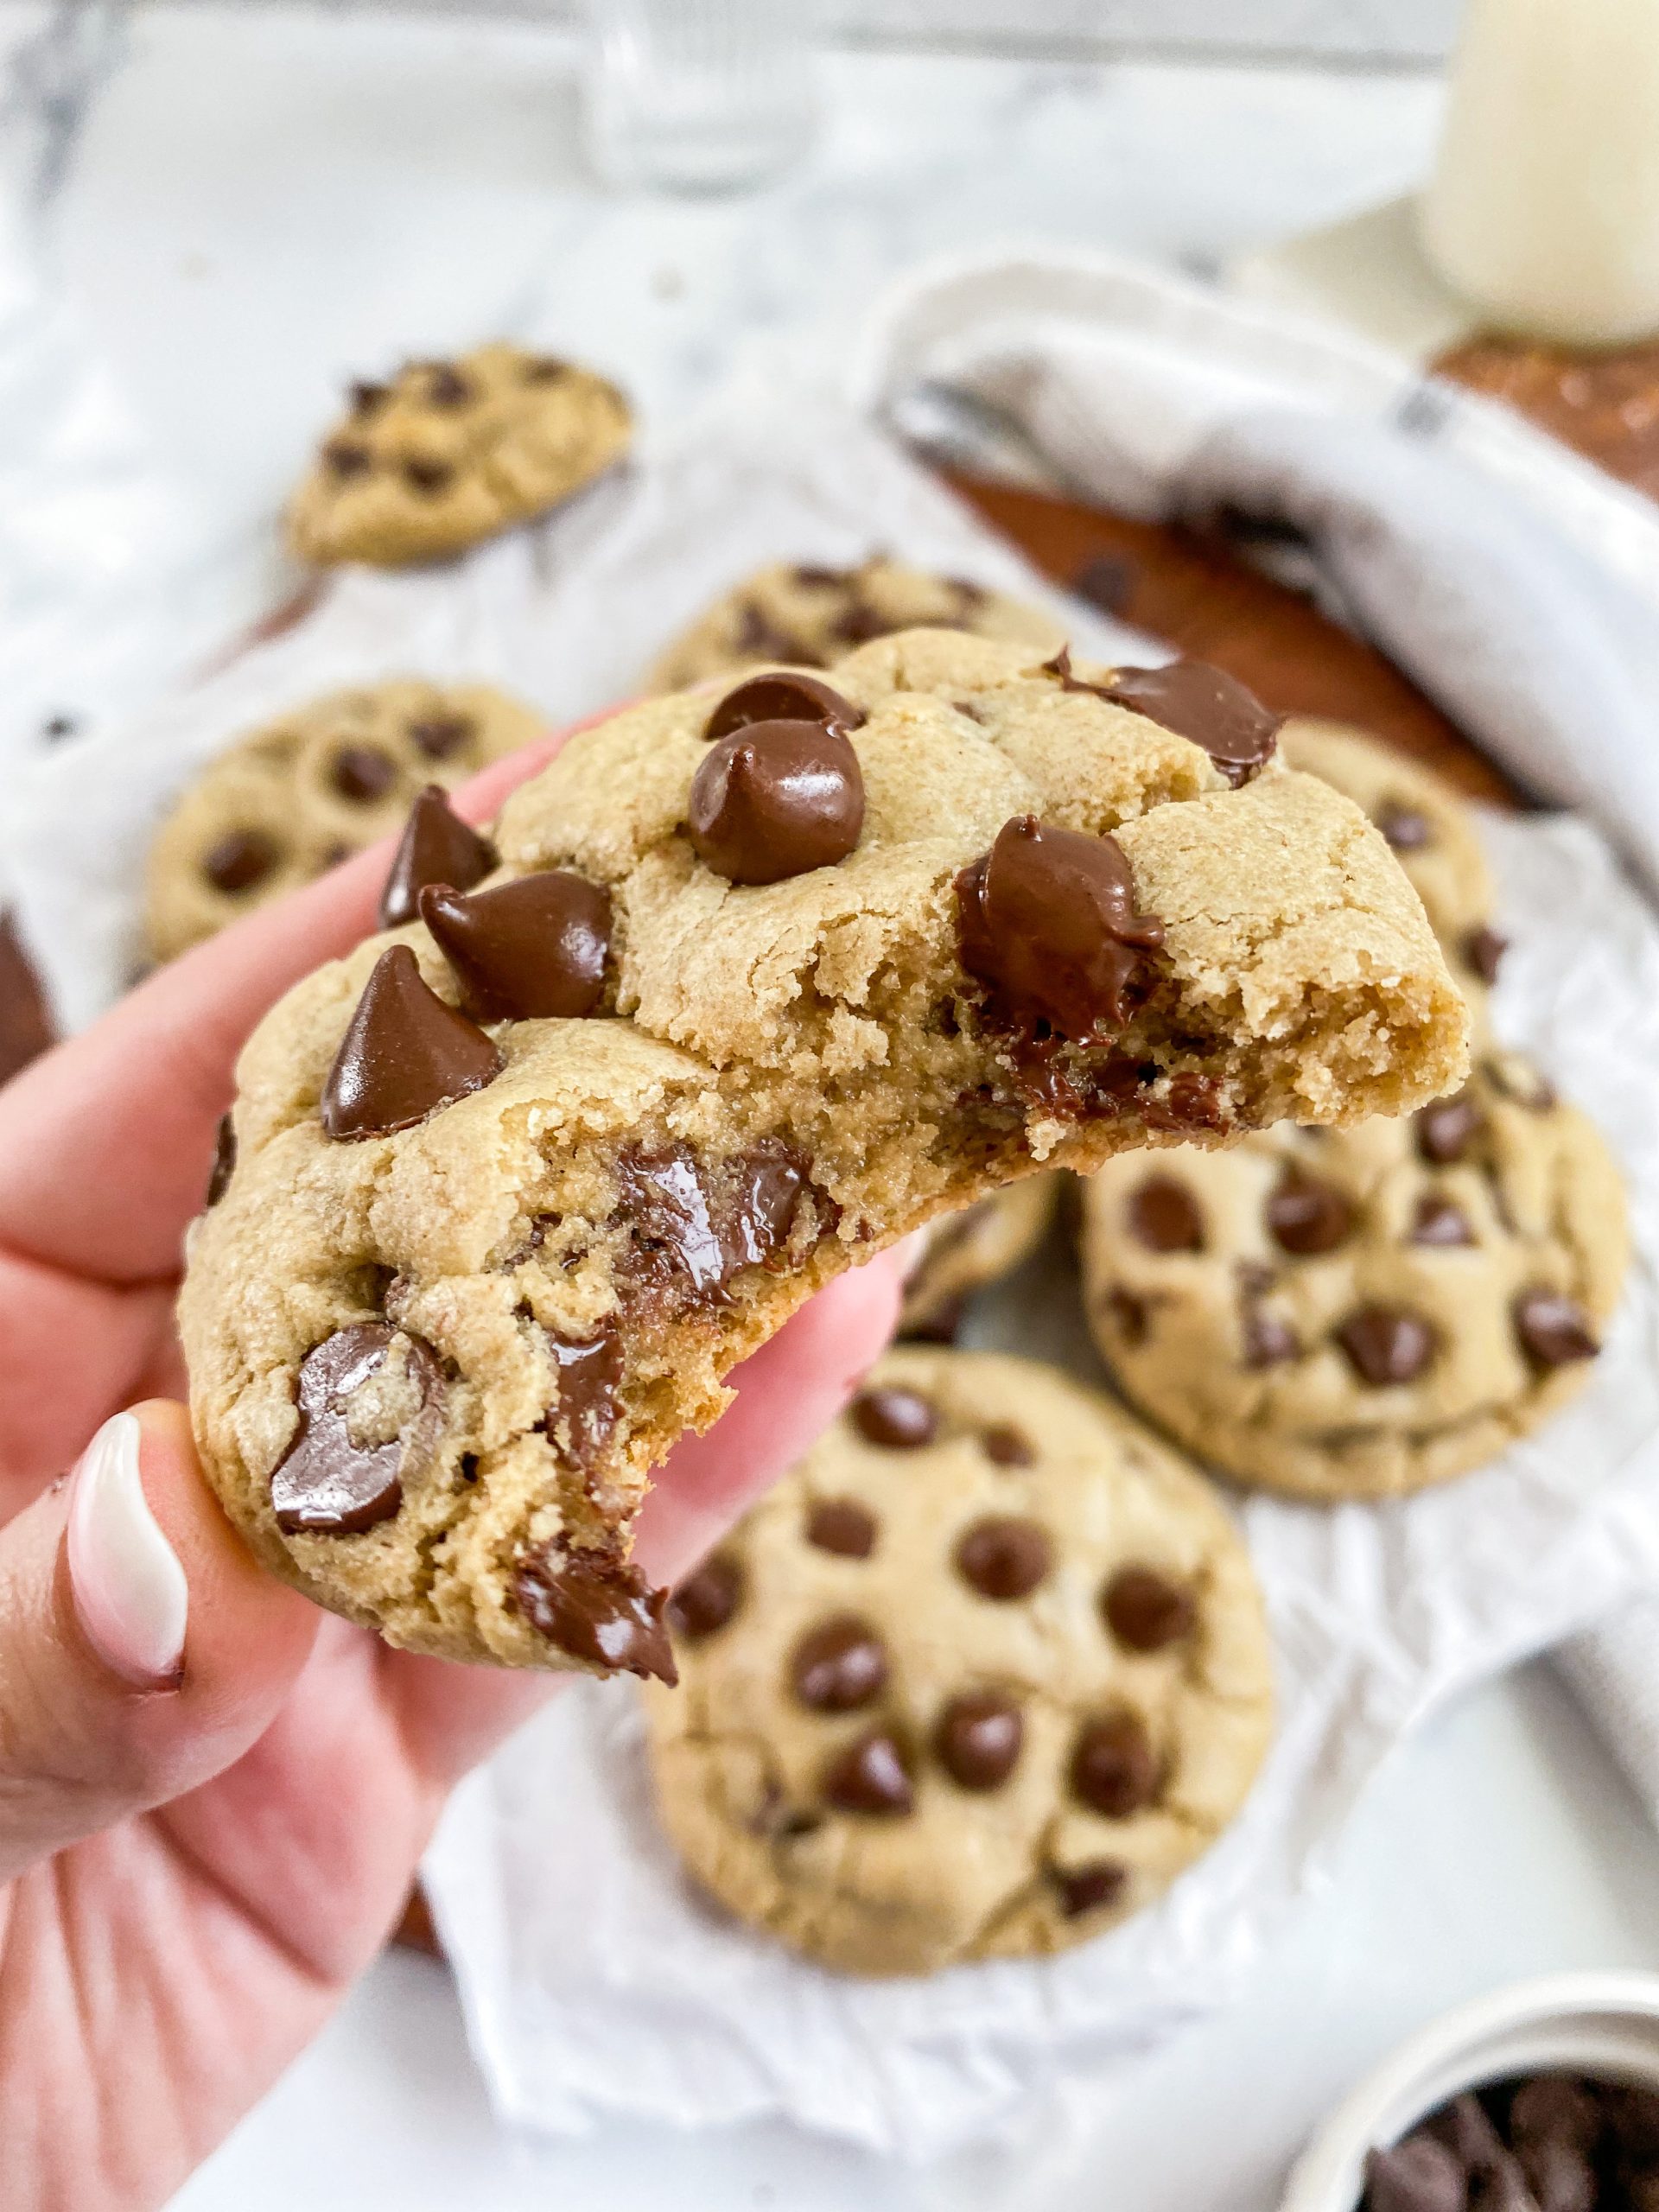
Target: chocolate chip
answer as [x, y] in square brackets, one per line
[1201, 703]
[1554, 1330]
[1484, 950]
[545, 368]
[343, 458]
[328, 1484]
[1440, 1222]
[1307, 1216]
[1006, 1446]
[1517, 1079]
[367, 399]
[1445, 1130]
[405, 1054]
[860, 623]
[1086, 1888]
[1164, 1216]
[706, 1600]
[362, 774]
[239, 860]
[447, 387]
[1419, 2175]
[422, 473]
[1106, 582]
[1114, 1767]
[1146, 1611]
[1386, 1344]
[596, 1609]
[437, 736]
[693, 1225]
[869, 1776]
[839, 1666]
[532, 948]
[759, 1193]
[889, 1414]
[582, 1419]
[761, 639]
[969, 596]
[1268, 1341]
[842, 1525]
[1128, 1316]
[780, 697]
[436, 847]
[1046, 921]
[977, 1739]
[1403, 827]
[1004, 1559]
[223, 1167]
[776, 799]
[811, 577]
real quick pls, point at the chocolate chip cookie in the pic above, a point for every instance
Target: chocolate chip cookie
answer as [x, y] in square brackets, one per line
[744, 987]
[445, 454]
[1428, 824]
[964, 1251]
[810, 615]
[1359, 1313]
[978, 1679]
[288, 801]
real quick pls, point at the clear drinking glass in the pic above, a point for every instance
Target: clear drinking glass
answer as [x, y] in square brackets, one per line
[698, 95]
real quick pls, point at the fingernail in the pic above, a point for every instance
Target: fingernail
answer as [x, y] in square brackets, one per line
[130, 1591]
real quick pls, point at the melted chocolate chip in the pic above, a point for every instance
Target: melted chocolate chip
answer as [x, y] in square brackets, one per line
[706, 1600]
[342, 458]
[1004, 1559]
[783, 696]
[239, 860]
[1484, 950]
[776, 799]
[842, 1525]
[1268, 1341]
[1404, 827]
[405, 1054]
[1047, 922]
[447, 387]
[1440, 1222]
[423, 473]
[532, 948]
[1086, 1888]
[1146, 1611]
[693, 1225]
[224, 1166]
[977, 1739]
[1114, 1767]
[363, 773]
[1386, 1344]
[839, 1666]
[897, 1419]
[598, 1609]
[329, 1485]
[438, 736]
[436, 847]
[1554, 1330]
[1164, 1216]
[1201, 703]
[1307, 1216]
[869, 1776]
[582, 1419]
[1445, 1130]
[1006, 1446]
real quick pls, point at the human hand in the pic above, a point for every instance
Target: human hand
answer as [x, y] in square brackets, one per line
[212, 1796]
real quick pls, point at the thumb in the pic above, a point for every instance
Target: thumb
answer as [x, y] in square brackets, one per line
[141, 1649]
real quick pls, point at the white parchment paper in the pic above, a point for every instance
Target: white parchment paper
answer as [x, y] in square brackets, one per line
[597, 1980]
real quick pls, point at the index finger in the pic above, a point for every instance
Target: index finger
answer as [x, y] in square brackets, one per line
[105, 1141]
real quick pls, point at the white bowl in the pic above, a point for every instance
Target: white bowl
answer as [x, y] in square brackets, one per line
[1601, 2024]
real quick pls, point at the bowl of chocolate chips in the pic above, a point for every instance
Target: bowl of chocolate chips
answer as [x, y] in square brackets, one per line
[1543, 2097]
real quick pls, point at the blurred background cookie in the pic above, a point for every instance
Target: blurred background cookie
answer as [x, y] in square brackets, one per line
[288, 801]
[807, 616]
[448, 453]
[978, 1680]
[966, 1250]
[1429, 828]
[1359, 1313]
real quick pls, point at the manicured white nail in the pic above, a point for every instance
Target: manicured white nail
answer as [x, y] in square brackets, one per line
[130, 1590]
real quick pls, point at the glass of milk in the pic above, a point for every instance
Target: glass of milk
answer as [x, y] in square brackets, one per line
[1543, 210]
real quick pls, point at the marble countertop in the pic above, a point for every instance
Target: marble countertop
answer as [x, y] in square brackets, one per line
[247, 206]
